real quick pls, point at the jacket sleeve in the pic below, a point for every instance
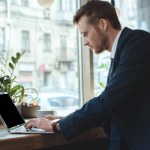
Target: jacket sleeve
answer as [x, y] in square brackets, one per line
[118, 94]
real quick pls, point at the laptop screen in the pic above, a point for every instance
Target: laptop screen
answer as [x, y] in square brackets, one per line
[9, 112]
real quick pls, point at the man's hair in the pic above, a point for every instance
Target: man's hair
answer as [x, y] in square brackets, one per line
[96, 10]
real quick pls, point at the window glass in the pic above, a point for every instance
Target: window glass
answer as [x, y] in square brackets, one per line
[133, 14]
[24, 2]
[63, 45]
[25, 40]
[47, 42]
[47, 79]
[49, 39]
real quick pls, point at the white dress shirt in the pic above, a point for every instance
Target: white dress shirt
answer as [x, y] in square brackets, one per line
[114, 47]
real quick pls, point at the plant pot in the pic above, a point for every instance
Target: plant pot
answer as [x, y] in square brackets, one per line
[29, 111]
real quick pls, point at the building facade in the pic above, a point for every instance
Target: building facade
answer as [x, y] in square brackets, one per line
[48, 38]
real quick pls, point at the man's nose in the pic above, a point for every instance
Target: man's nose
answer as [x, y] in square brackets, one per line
[86, 43]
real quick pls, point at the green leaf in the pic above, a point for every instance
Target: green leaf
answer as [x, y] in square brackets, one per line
[8, 81]
[18, 55]
[102, 85]
[11, 65]
[14, 60]
[16, 87]
[12, 91]
[17, 92]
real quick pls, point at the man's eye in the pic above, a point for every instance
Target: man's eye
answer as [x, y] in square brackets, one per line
[85, 34]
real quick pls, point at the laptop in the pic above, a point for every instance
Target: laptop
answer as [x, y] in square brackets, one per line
[12, 119]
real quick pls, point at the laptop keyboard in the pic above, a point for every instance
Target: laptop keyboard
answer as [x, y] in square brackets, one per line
[22, 129]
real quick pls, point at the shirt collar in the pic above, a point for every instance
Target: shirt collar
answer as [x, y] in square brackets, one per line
[114, 47]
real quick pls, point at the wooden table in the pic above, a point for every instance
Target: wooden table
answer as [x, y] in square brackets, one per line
[39, 141]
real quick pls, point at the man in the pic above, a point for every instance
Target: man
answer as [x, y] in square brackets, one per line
[126, 98]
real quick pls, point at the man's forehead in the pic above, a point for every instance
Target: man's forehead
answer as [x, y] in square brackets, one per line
[83, 20]
[83, 24]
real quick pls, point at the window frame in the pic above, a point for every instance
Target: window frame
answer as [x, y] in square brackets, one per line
[86, 75]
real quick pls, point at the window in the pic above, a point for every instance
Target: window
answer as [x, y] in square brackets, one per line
[47, 76]
[25, 3]
[60, 5]
[65, 5]
[53, 46]
[25, 40]
[46, 14]
[47, 42]
[63, 46]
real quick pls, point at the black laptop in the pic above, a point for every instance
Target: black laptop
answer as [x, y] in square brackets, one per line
[12, 119]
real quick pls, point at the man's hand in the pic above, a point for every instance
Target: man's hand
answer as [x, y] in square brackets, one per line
[41, 123]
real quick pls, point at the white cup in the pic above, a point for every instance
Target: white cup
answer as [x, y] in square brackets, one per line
[41, 113]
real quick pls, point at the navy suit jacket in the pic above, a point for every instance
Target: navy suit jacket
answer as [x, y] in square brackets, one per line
[126, 97]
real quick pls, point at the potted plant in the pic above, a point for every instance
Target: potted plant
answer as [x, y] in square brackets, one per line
[29, 106]
[8, 83]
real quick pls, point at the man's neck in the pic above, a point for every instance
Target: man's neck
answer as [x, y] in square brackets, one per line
[112, 36]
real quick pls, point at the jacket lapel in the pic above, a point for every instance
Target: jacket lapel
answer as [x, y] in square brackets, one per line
[116, 60]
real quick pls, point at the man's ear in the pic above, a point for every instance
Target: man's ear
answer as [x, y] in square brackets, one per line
[103, 24]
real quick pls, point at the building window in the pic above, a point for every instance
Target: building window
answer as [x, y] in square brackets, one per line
[60, 5]
[63, 46]
[65, 5]
[46, 14]
[47, 42]
[47, 79]
[68, 5]
[25, 3]
[2, 38]
[25, 41]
